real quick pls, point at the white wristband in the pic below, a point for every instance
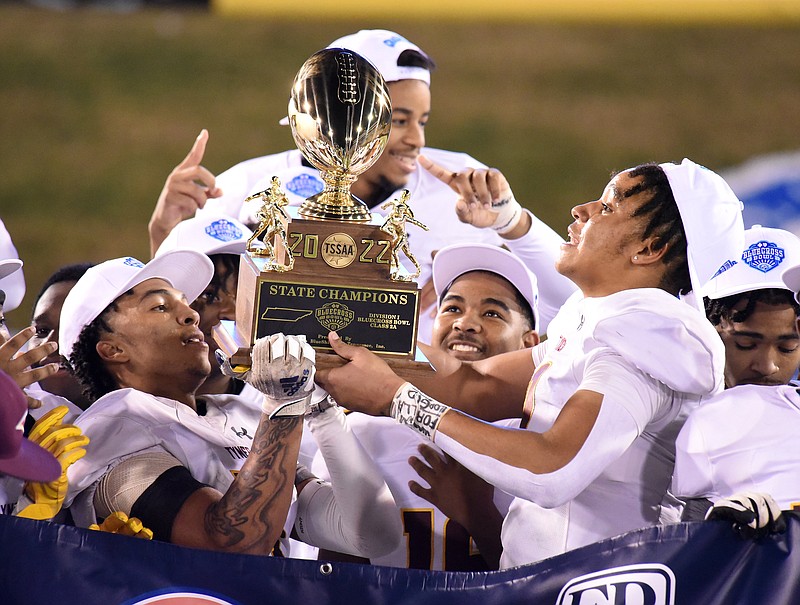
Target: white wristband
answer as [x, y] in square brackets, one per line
[281, 408]
[509, 212]
[415, 409]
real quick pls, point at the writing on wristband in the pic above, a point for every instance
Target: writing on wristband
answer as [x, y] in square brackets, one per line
[509, 212]
[415, 409]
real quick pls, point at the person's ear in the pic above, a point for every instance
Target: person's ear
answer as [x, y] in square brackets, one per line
[110, 351]
[647, 253]
[530, 338]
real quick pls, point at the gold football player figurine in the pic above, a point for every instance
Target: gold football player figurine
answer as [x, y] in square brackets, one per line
[271, 226]
[395, 225]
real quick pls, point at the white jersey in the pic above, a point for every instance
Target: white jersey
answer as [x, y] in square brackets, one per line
[11, 487]
[649, 355]
[744, 439]
[432, 540]
[127, 422]
[432, 201]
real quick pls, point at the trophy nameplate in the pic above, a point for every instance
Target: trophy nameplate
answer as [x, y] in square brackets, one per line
[331, 265]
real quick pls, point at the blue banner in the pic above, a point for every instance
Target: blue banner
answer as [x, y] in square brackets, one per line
[685, 563]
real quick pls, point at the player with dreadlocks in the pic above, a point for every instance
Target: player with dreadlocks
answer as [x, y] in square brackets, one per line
[602, 398]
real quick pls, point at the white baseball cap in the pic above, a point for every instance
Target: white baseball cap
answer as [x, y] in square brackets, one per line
[791, 279]
[207, 233]
[712, 220]
[12, 279]
[454, 261]
[766, 253]
[185, 270]
[383, 48]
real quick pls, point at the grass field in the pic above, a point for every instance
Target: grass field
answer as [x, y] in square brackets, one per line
[97, 107]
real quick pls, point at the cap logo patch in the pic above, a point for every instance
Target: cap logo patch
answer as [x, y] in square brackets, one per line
[392, 42]
[224, 231]
[728, 264]
[132, 262]
[305, 185]
[763, 256]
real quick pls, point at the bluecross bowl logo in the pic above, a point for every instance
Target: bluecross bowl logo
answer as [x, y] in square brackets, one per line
[642, 584]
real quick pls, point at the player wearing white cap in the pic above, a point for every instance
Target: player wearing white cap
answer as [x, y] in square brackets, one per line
[605, 392]
[407, 71]
[209, 471]
[488, 304]
[717, 452]
[223, 240]
[754, 312]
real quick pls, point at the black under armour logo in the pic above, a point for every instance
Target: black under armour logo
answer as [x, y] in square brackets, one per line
[241, 432]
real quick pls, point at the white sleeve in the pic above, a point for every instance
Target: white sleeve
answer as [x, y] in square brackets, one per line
[692, 477]
[628, 398]
[354, 513]
[539, 250]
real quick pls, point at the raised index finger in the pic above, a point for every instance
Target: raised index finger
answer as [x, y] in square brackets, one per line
[448, 177]
[195, 155]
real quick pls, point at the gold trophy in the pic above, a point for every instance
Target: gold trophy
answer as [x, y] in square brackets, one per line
[330, 264]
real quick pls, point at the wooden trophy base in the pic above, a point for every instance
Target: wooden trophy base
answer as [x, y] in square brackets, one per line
[327, 276]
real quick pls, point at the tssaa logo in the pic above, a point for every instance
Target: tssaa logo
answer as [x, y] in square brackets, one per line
[642, 584]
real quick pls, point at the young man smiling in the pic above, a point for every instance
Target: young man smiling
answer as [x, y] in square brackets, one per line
[488, 305]
[407, 71]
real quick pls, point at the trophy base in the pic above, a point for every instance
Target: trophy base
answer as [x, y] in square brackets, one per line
[238, 351]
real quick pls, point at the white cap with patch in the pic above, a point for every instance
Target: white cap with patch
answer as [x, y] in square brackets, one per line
[454, 261]
[383, 48]
[767, 252]
[186, 270]
[712, 220]
[12, 280]
[209, 234]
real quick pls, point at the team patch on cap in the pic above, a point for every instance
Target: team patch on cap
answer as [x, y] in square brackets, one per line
[223, 230]
[132, 262]
[763, 256]
[305, 185]
[392, 42]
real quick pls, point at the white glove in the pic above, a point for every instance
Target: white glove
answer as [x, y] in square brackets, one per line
[283, 369]
[753, 514]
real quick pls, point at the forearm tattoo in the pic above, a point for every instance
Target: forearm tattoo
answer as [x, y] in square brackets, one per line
[256, 503]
